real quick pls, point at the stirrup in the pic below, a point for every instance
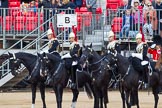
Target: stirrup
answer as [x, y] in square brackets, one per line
[111, 83]
[73, 86]
[140, 84]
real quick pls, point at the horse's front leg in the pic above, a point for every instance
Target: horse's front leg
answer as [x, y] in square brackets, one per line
[121, 89]
[156, 97]
[101, 101]
[96, 98]
[42, 92]
[105, 96]
[33, 88]
[127, 98]
[134, 97]
[58, 91]
[75, 97]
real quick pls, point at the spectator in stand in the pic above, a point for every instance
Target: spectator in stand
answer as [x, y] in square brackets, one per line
[91, 6]
[33, 6]
[78, 3]
[158, 7]
[150, 21]
[145, 4]
[132, 2]
[137, 14]
[141, 2]
[24, 7]
[4, 4]
[122, 9]
[66, 4]
[47, 5]
[127, 23]
[55, 4]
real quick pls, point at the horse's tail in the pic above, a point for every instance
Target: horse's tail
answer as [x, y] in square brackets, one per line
[88, 91]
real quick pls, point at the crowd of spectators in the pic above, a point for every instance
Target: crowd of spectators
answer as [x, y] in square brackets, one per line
[141, 16]
[137, 15]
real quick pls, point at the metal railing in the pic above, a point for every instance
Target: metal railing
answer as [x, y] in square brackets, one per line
[137, 23]
[15, 24]
[4, 68]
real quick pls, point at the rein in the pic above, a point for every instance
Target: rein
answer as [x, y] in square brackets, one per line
[97, 62]
[35, 67]
[57, 70]
[122, 79]
[16, 59]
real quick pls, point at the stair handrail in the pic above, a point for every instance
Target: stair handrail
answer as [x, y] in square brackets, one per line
[25, 37]
[6, 62]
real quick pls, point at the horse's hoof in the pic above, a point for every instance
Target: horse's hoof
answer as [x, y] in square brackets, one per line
[73, 105]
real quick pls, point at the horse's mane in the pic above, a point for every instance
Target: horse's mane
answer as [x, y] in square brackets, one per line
[159, 62]
[124, 59]
[96, 54]
[53, 57]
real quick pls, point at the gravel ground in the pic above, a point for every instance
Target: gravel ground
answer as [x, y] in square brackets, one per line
[22, 99]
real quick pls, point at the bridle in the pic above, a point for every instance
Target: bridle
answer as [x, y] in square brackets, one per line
[121, 77]
[45, 58]
[15, 61]
[47, 61]
[92, 64]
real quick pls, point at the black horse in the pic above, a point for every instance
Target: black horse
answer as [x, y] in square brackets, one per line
[129, 78]
[99, 72]
[29, 61]
[57, 76]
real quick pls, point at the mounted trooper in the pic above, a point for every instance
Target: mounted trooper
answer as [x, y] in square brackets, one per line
[72, 57]
[140, 60]
[53, 44]
[113, 44]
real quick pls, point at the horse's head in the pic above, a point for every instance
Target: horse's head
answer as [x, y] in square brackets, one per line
[87, 55]
[14, 63]
[111, 57]
[44, 64]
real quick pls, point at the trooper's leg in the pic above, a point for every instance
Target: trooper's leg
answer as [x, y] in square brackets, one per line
[144, 76]
[145, 71]
[73, 77]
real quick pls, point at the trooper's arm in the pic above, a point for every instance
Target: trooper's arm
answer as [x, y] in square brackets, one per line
[74, 52]
[117, 48]
[145, 49]
[54, 46]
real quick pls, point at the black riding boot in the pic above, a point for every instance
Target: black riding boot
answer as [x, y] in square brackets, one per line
[73, 77]
[144, 76]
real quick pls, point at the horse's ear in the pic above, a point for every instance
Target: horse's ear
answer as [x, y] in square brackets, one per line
[10, 54]
[90, 45]
[44, 54]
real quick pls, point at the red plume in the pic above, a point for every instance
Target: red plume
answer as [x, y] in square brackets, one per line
[75, 32]
[54, 36]
[143, 37]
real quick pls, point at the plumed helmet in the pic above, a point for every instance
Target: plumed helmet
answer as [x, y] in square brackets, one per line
[111, 34]
[71, 35]
[49, 31]
[139, 36]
